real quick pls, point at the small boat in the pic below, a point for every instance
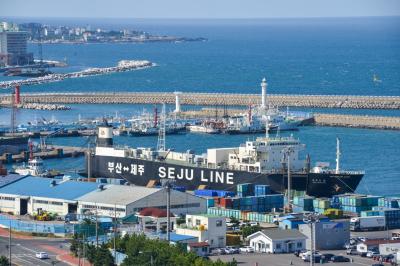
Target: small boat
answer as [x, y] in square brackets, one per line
[376, 79]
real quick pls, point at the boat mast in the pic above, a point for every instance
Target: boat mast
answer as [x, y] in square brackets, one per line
[161, 131]
[337, 155]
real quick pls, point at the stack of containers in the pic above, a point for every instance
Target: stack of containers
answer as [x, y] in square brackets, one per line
[392, 216]
[357, 203]
[245, 190]
[225, 203]
[389, 202]
[321, 204]
[213, 193]
[303, 203]
[262, 190]
[210, 202]
[225, 212]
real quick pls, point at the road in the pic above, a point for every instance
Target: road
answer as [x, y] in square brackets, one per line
[23, 250]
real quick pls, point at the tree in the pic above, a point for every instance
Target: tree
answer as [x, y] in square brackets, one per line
[234, 221]
[248, 230]
[4, 261]
[103, 257]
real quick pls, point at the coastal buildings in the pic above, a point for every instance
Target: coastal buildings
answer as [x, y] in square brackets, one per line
[13, 46]
[27, 194]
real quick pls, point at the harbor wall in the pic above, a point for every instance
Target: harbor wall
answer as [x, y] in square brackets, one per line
[220, 99]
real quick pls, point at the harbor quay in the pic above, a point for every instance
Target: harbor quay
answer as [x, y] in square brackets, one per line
[212, 99]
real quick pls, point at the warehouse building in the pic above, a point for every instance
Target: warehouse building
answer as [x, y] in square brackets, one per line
[27, 194]
[120, 201]
[338, 232]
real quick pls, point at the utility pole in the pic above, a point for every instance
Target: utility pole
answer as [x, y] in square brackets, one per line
[287, 152]
[89, 162]
[168, 211]
[167, 184]
[115, 233]
[311, 219]
[9, 242]
[97, 230]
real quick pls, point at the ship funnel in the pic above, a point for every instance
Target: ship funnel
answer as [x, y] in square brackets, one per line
[104, 136]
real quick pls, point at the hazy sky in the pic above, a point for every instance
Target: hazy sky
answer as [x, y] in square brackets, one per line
[198, 8]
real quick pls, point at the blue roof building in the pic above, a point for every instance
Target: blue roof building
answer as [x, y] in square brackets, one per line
[31, 186]
[30, 194]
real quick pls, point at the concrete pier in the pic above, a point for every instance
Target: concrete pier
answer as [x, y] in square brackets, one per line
[212, 99]
[55, 152]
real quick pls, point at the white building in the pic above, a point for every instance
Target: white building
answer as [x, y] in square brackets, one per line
[121, 201]
[277, 241]
[389, 248]
[207, 228]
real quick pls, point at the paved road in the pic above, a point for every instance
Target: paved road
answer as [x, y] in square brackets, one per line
[287, 259]
[23, 250]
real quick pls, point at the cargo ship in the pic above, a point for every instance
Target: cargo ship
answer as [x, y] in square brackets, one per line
[265, 160]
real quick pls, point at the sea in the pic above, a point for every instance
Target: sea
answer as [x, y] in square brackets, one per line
[338, 56]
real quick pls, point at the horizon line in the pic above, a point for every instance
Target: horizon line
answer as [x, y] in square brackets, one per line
[203, 18]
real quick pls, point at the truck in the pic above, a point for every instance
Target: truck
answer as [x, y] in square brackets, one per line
[369, 223]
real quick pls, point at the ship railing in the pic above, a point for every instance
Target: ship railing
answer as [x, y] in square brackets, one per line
[350, 172]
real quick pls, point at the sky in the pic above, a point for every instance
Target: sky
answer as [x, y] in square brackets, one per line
[198, 8]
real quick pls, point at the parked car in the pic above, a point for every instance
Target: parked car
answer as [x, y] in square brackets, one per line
[220, 251]
[328, 256]
[247, 249]
[351, 252]
[231, 250]
[42, 255]
[297, 253]
[317, 258]
[340, 259]
[377, 264]
[371, 254]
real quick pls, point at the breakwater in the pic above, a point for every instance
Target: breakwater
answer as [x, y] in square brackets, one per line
[359, 121]
[124, 65]
[220, 99]
[37, 106]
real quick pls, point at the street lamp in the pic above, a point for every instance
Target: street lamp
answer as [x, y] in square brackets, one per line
[167, 183]
[311, 219]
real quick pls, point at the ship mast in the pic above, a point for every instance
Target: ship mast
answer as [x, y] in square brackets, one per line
[161, 131]
[337, 155]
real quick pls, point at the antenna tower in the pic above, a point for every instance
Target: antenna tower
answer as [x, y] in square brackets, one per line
[161, 131]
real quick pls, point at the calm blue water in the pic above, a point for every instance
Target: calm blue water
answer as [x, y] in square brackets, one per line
[309, 56]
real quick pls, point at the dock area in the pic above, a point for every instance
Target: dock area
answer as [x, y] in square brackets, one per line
[53, 134]
[213, 99]
[318, 119]
[54, 152]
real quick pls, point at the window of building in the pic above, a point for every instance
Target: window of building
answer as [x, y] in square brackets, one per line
[219, 223]
[299, 245]
[278, 246]
[198, 222]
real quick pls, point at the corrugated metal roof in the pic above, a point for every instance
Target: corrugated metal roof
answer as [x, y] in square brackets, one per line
[276, 234]
[118, 194]
[10, 178]
[41, 187]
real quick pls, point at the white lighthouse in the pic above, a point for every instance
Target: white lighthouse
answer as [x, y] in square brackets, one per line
[264, 93]
[177, 102]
